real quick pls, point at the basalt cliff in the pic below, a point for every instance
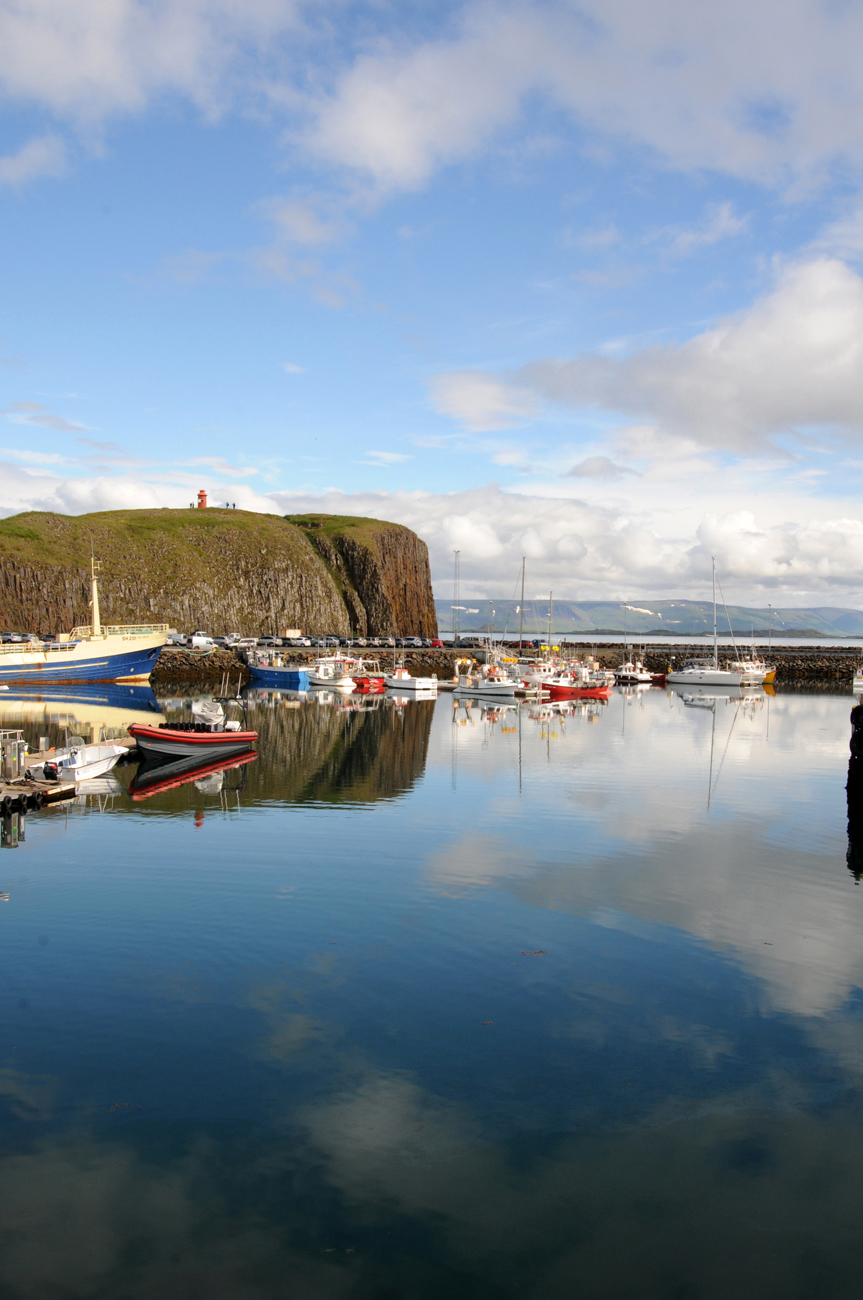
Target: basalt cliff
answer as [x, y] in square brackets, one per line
[216, 569]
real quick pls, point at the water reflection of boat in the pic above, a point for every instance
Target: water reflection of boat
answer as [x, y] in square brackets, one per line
[154, 777]
[91, 711]
[705, 697]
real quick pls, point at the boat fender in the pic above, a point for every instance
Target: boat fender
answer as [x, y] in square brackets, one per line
[7, 804]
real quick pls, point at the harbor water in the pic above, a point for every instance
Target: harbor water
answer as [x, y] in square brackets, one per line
[433, 1000]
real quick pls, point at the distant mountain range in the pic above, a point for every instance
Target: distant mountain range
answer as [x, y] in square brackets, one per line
[675, 617]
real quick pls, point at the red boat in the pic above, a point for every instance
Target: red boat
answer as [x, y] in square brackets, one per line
[208, 735]
[576, 692]
[369, 684]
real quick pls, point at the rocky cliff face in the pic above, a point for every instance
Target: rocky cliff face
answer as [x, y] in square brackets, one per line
[220, 570]
[383, 569]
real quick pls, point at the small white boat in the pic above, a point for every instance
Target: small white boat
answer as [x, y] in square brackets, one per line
[335, 672]
[496, 688]
[78, 762]
[632, 673]
[400, 680]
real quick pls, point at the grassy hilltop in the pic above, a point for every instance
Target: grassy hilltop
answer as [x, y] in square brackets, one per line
[218, 569]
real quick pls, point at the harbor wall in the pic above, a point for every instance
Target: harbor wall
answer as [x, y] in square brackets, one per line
[216, 569]
[808, 664]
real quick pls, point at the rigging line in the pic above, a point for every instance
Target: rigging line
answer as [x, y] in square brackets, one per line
[727, 743]
[727, 617]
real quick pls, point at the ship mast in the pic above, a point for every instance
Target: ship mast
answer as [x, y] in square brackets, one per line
[521, 610]
[95, 565]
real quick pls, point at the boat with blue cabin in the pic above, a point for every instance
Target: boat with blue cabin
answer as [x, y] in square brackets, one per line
[94, 653]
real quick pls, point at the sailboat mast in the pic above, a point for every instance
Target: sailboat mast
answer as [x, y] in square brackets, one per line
[549, 622]
[521, 608]
[715, 654]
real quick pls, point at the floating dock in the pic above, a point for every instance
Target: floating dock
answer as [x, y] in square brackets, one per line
[21, 795]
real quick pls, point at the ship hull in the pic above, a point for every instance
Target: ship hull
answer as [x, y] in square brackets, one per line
[207, 745]
[82, 663]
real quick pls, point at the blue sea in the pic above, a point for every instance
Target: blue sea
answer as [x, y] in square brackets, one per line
[431, 1000]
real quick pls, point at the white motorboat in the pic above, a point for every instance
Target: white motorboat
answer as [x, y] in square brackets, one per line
[632, 673]
[78, 762]
[335, 672]
[401, 680]
[497, 688]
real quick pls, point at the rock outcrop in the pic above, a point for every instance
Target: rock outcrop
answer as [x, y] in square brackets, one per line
[215, 569]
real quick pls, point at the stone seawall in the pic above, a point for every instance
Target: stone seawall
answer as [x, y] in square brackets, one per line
[792, 663]
[806, 664]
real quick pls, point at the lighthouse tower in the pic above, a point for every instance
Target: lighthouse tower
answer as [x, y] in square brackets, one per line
[202, 499]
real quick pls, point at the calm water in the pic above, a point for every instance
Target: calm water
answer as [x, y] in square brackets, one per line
[429, 1002]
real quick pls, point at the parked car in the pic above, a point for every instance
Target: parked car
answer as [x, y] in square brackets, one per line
[436, 643]
[247, 643]
[200, 641]
[269, 640]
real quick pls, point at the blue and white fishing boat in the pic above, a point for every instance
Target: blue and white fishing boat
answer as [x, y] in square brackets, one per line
[95, 653]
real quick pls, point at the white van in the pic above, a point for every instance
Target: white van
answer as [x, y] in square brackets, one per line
[200, 641]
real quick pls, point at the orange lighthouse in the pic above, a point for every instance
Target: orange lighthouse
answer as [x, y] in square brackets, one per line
[202, 499]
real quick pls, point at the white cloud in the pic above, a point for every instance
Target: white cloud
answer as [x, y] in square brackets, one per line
[291, 368]
[385, 458]
[92, 58]
[720, 222]
[42, 156]
[623, 551]
[598, 467]
[300, 221]
[792, 361]
[36, 414]
[481, 401]
[739, 88]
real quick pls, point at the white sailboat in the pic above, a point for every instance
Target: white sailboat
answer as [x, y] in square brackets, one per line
[706, 672]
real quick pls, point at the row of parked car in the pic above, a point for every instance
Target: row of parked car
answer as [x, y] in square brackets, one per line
[233, 641]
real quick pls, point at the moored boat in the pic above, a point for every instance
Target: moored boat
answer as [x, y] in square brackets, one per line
[95, 653]
[401, 680]
[209, 733]
[77, 762]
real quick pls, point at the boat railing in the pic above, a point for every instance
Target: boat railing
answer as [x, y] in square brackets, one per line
[120, 629]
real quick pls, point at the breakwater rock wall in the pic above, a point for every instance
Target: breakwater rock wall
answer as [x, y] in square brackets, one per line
[807, 664]
[804, 663]
[219, 570]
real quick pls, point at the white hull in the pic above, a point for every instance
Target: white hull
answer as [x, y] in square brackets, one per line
[411, 683]
[84, 763]
[713, 677]
[483, 689]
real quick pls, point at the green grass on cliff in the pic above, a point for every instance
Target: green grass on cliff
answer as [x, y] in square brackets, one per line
[153, 537]
[38, 537]
[358, 527]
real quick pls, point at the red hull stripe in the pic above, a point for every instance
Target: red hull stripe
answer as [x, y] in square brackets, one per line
[202, 738]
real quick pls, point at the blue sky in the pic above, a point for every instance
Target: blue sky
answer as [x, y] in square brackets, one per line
[576, 282]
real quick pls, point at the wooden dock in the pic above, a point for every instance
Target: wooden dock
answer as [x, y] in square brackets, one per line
[21, 794]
